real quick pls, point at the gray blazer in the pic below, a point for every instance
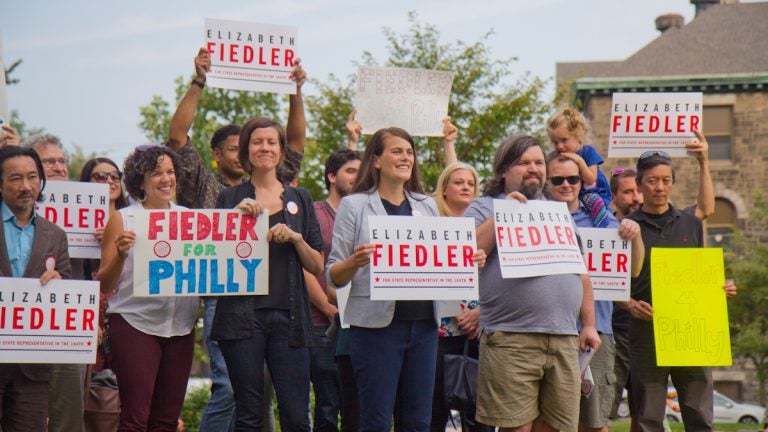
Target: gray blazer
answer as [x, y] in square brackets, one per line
[49, 241]
[350, 229]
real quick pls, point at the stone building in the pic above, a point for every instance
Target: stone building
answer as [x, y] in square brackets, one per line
[721, 53]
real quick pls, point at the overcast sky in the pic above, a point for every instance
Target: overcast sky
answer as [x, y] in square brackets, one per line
[88, 66]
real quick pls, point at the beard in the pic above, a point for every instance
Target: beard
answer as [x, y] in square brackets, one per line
[531, 191]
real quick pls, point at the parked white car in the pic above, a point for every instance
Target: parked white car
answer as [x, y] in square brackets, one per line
[726, 411]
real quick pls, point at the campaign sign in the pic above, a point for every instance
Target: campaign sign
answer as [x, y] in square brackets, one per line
[53, 323]
[423, 258]
[537, 238]
[186, 252]
[250, 56]
[413, 99]
[78, 208]
[642, 122]
[690, 314]
[609, 262]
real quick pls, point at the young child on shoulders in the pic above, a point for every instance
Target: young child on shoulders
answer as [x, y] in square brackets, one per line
[567, 129]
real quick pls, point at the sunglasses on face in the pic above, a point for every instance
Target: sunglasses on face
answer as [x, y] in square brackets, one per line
[103, 177]
[660, 154]
[558, 180]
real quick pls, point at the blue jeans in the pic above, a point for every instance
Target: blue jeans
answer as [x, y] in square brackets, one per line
[219, 413]
[395, 362]
[325, 382]
[288, 366]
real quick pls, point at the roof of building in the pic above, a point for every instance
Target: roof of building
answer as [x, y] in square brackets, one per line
[724, 39]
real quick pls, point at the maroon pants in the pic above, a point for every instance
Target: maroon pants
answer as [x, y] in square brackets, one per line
[152, 374]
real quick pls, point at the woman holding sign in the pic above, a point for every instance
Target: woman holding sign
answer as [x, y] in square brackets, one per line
[276, 327]
[393, 344]
[152, 339]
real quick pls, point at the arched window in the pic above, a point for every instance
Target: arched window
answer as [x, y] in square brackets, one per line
[721, 224]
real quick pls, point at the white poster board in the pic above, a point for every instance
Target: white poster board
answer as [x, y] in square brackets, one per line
[250, 56]
[642, 122]
[535, 239]
[53, 323]
[413, 99]
[186, 252]
[78, 208]
[609, 262]
[423, 258]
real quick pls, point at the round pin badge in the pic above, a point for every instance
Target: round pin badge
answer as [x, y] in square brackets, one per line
[292, 207]
[50, 263]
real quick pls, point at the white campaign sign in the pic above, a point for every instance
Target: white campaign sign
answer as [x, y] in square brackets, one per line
[609, 262]
[250, 56]
[537, 238]
[413, 99]
[53, 323]
[200, 252]
[78, 208]
[643, 122]
[423, 258]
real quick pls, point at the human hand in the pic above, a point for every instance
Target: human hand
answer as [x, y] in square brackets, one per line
[588, 337]
[362, 255]
[298, 74]
[628, 229]
[202, 64]
[124, 241]
[730, 288]
[330, 312]
[450, 132]
[517, 196]
[699, 147]
[479, 257]
[99, 234]
[469, 322]
[282, 233]
[9, 137]
[354, 128]
[251, 207]
[640, 309]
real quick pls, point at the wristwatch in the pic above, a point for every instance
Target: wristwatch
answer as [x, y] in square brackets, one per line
[198, 83]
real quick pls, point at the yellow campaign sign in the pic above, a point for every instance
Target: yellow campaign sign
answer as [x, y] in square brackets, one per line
[690, 316]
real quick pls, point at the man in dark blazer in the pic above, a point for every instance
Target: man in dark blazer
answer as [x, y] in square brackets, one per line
[30, 247]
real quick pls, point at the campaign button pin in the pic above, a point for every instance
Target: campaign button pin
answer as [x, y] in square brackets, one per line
[292, 207]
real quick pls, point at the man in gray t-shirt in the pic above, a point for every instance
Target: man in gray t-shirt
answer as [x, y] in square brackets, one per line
[529, 369]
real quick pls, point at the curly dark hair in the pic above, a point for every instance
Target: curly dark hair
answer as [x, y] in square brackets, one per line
[144, 159]
[85, 177]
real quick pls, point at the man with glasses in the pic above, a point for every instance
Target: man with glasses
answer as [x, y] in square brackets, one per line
[662, 225]
[51, 153]
[627, 199]
[564, 185]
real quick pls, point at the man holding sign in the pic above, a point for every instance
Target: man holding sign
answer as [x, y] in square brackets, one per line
[662, 225]
[30, 246]
[528, 324]
[564, 184]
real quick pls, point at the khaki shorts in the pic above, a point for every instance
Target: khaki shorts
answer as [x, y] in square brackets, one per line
[528, 376]
[596, 408]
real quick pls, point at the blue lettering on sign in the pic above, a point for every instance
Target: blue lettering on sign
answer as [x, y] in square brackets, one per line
[201, 276]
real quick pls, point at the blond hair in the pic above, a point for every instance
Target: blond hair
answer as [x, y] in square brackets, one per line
[574, 123]
[442, 183]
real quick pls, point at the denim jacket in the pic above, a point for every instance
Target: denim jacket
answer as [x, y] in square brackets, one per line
[235, 314]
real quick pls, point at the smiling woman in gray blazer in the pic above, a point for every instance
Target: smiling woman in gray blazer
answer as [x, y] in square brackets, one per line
[393, 344]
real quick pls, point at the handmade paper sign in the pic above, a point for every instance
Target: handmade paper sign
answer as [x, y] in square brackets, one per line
[250, 56]
[422, 258]
[79, 209]
[642, 122]
[690, 316]
[53, 323]
[609, 260]
[413, 99]
[200, 252]
[535, 239]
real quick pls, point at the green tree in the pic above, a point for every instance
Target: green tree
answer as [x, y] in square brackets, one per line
[218, 107]
[484, 104]
[77, 159]
[747, 264]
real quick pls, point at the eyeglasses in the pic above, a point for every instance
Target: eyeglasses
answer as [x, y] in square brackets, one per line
[558, 180]
[620, 171]
[103, 177]
[54, 161]
[660, 154]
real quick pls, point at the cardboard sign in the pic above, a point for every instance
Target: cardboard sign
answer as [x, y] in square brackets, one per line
[643, 122]
[690, 315]
[53, 323]
[250, 56]
[422, 258]
[413, 99]
[609, 262]
[200, 252]
[78, 208]
[535, 239]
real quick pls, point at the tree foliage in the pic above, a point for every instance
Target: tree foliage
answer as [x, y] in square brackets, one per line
[747, 264]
